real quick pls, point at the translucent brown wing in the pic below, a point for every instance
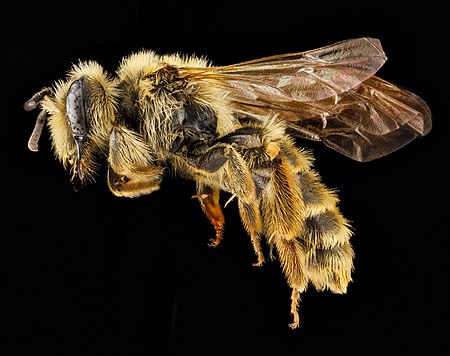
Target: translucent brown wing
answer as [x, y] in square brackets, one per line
[332, 94]
[305, 76]
[370, 121]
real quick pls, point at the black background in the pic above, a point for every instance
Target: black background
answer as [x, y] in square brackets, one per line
[90, 272]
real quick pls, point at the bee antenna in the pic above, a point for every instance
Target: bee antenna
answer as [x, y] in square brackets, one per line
[36, 98]
[34, 138]
[40, 121]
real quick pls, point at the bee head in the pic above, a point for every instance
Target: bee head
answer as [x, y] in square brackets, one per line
[79, 113]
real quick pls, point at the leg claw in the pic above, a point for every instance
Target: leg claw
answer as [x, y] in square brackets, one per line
[213, 243]
[260, 261]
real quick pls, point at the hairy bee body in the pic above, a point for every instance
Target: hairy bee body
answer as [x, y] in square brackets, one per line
[229, 129]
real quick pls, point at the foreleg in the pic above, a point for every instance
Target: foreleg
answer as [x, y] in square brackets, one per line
[131, 171]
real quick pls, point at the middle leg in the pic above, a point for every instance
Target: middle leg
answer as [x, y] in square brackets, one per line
[209, 201]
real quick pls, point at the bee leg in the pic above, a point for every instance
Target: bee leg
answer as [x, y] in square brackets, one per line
[295, 301]
[209, 201]
[290, 255]
[131, 176]
[284, 220]
[251, 219]
[132, 184]
[224, 165]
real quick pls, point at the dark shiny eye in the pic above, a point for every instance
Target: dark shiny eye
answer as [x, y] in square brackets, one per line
[76, 109]
[77, 116]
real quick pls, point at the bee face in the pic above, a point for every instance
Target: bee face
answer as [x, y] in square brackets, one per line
[79, 113]
[230, 130]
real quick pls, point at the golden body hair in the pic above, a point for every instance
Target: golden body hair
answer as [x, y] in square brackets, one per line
[231, 129]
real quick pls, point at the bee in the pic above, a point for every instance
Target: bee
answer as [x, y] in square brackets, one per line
[234, 129]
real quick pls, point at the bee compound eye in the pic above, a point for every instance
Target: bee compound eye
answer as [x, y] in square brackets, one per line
[76, 103]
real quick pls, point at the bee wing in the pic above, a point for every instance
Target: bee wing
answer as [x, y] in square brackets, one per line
[367, 122]
[305, 76]
[332, 94]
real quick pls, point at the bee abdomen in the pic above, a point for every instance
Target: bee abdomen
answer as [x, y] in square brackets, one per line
[330, 268]
[328, 255]
[326, 229]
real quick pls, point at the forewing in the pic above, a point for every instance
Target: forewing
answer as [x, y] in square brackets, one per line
[305, 76]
